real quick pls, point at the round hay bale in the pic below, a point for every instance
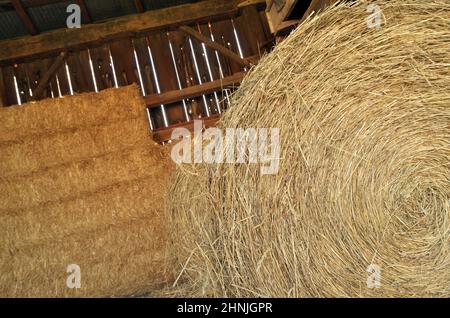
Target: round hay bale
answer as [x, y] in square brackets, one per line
[360, 206]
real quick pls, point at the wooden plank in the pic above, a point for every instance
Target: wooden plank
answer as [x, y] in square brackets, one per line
[35, 71]
[252, 29]
[224, 34]
[81, 76]
[138, 5]
[178, 40]
[211, 54]
[165, 73]
[245, 3]
[63, 79]
[141, 47]
[95, 34]
[188, 63]
[215, 46]
[8, 81]
[156, 100]
[84, 11]
[276, 17]
[102, 67]
[165, 134]
[23, 82]
[49, 74]
[123, 55]
[175, 113]
[24, 17]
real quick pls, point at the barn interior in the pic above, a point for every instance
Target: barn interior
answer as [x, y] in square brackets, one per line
[186, 56]
[93, 91]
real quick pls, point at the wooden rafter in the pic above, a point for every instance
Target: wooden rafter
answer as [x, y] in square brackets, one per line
[214, 45]
[24, 17]
[50, 43]
[43, 83]
[138, 5]
[84, 11]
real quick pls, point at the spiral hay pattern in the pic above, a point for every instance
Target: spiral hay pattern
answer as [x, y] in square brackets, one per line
[364, 171]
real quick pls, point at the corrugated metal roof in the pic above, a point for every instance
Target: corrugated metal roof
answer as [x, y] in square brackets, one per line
[54, 16]
[101, 10]
[10, 25]
[49, 17]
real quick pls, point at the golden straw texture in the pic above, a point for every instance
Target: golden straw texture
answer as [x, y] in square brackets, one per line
[82, 183]
[364, 175]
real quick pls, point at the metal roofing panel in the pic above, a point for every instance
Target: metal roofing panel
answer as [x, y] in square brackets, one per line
[105, 9]
[10, 25]
[53, 16]
[49, 17]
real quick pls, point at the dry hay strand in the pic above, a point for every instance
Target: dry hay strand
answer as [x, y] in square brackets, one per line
[71, 112]
[85, 212]
[112, 259]
[45, 151]
[85, 186]
[364, 170]
[76, 178]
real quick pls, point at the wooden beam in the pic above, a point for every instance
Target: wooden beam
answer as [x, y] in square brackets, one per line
[24, 17]
[156, 100]
[254, 30]
[165, 134]
[246, 3]
[51, 43]
[215, 46]
[84, 11]
[43, 83]
[138, 5]
[39, 3]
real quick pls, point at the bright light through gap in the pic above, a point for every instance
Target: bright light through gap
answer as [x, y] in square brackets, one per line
[178, 80]
[19, 100]
[198, 75]
[59, 86]
[218, 62]
[92, 71]
[238, 42]
[158, 90]
[205, 52]
[139, 73]
[69, 79]
[116, 84]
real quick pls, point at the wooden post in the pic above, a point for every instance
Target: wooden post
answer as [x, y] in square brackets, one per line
[254, 28]
[49, 74]
[84, 11]
[138, 5]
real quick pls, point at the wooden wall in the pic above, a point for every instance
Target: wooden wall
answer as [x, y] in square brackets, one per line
[188, 67]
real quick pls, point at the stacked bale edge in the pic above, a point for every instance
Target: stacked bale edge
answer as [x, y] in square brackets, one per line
[82, 183]
[360, 206]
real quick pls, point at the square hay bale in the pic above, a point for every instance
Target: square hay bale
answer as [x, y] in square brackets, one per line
[82, 183]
